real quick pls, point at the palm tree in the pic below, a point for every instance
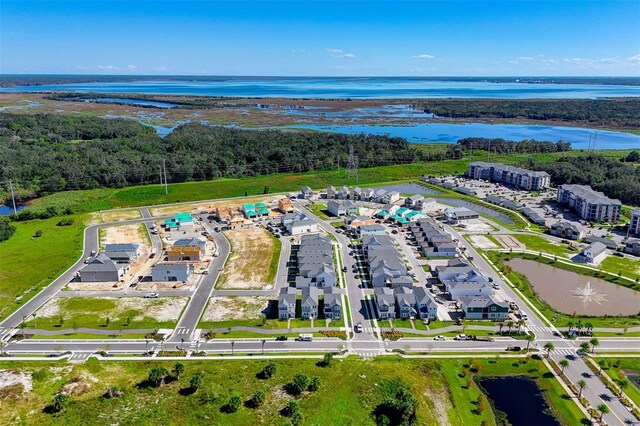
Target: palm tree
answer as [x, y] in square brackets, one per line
[549, 347]
[564, 363]
[588, 326]
[60, 401]
[584, 347]
[510, 325]
[623, 385]
[570, 325]
[594, 342]
[579, 326]
[602, 362]
[581, 384]
[530, 338]
[603, 410]
[500, 325]
[520, 325]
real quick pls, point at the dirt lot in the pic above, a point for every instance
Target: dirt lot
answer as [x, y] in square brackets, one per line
[482, 242]
[509, 242]
[210, 205]
[15, 382]
[114, 216]
[479, 226]
[235, 308]
[252, 251]
[162, 309]
[135, 233]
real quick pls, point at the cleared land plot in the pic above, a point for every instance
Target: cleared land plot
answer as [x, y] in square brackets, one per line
[542, 244]
[114, 216]
[207, 206]
[134, 233]
[482, 242]
[508, 241]
[253, 261]
[79, 312]
[236, 308]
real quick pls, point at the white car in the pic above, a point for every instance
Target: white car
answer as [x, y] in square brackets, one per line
[359, 328]
[151, 295]
[460, 337]
[439, 338]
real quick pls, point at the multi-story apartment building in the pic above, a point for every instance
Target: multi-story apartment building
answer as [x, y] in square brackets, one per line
[634, 225]
[509, 175]
[589, 204]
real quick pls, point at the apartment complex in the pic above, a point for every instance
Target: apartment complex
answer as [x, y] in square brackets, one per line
[634, 225]
[589, 204]
[510, 175]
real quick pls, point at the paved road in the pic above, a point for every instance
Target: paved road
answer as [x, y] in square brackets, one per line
[191, 315]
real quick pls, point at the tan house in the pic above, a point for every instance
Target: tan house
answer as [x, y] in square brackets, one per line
[285, 206]
[189, 250]
[223, 213]
[236, 222]
[353, 222]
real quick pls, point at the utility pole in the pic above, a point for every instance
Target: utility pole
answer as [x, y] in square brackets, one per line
[488, 150]
[352, 165]
[356, 161]
[166, 187]
[13, 198]
[338, 158]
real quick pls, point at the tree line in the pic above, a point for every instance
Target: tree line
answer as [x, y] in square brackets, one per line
[623, 112]
[616, 179]
[48, 153]
[503, 146]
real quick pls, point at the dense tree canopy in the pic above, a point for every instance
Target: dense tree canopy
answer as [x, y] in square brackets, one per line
[503, 146]
[610, 112]
[49, 153]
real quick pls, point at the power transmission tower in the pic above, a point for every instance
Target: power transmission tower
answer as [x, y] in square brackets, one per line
[166, 187]
[352, 165]
[13, 198]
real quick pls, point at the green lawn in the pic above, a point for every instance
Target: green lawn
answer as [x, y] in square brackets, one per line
[349, 392]
[626, 366]
[27, 263]
[320, 210]
[538, 244]
[621, 265]
[81, 312]
[557, 318]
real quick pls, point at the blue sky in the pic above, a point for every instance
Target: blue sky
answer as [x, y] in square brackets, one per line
[364, 38]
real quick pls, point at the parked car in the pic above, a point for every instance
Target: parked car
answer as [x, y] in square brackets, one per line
[439, 338]
[88, 259]
[151, 295]
[460, 337]
[359, 328]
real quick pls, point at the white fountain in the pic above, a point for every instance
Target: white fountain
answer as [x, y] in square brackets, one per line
[589, 294]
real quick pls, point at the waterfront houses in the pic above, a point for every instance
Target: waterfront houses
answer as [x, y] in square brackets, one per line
[510, 176]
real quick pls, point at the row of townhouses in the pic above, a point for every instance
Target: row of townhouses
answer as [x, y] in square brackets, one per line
[362, 194]
[316, 275]
[472, 290]
[405, 302]
[589, 204]
[510, 175]
[432, 240]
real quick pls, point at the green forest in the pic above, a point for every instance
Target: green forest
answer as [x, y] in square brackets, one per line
[48, 153]
[616, 179]
[619, 112]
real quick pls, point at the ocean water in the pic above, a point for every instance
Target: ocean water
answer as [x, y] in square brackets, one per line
[346, 88]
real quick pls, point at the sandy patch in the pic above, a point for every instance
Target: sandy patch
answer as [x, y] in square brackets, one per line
[114, 216]
[509, 242]
[162, 309]
[240, 307]
[11, 378]
[207, 206]
[248, 265]
[79, 384]
[480, 227]
[165, 286]
[482, 242]
[135, 233]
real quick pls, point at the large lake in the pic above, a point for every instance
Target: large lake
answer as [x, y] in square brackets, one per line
[375, 87]
[569, 292]
[446, 132]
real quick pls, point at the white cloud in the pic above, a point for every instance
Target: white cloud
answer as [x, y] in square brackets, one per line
[334, 51]
[348, 55]
[526, 58]
[132, 67]
[634, 58]
[339, 53]
[591, 61]
[513, 62]
[423, 56]
[108, 68]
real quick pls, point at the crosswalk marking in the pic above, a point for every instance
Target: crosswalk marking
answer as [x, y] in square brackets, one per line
[79, 356]
[564, 351]
[539, 328]
[183, 330]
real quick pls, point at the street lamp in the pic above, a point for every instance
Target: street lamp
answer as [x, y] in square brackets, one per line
[263, 342]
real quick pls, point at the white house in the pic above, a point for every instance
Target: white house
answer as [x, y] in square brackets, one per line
[594, 252]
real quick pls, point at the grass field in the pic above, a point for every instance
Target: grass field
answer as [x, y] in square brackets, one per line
[621, 265]
[628, 367]
[535, 243]
[28, 263]
[92, 312]
[349, 392]
[557, 318]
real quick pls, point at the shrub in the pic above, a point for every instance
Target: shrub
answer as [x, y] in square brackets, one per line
[67, 221]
